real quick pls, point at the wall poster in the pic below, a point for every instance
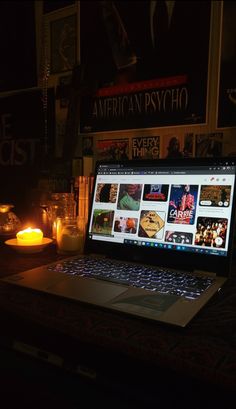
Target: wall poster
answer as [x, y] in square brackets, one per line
[145, 64]
[24, 141]
[146, 147]
[60, 38]
[227, 80]
[117, 149]
[209, 145]
[178, 146]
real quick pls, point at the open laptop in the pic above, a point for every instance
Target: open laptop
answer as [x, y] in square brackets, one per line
[159, 240]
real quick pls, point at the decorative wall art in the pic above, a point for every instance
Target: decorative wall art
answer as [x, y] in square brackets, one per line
[178, 146]
[209, 144]
[24, 142]
[62, 39]
[117, 149]
[227, 80]
[144, 69]
[146, 147]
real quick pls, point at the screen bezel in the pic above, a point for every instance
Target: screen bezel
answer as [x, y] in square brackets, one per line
[164, 257]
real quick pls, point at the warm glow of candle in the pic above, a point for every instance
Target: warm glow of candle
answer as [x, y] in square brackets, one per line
[4, 208]
[29, 236]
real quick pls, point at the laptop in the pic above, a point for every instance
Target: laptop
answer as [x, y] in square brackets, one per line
[159, 240]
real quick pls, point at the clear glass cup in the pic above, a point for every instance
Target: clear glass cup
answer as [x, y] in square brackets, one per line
[69, 238]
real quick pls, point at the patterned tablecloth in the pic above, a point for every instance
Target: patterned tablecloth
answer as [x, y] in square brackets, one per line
[205, 350]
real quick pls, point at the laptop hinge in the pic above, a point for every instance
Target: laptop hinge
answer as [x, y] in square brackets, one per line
[205, 273]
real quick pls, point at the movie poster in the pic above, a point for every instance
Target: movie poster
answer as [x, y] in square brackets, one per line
[27, 135]
[182, 204]
[227, 81]
[155, 193]
[144, 64]
[117, 149]
[178, 146]
[146, 147]
[209, 144]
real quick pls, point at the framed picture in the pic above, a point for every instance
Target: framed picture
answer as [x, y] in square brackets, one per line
[209, 145]
[146, 147]
[63, 90]
[178, 146]
[87, 146]
[25, 139]
[62, 36]
[141, 80]
[227, 78]
[109, 149]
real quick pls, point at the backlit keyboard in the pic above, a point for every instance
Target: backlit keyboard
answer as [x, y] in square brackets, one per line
[151, 278]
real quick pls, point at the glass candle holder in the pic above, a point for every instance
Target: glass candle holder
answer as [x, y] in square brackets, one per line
[9, 222]
[70, 239]
[60, 205]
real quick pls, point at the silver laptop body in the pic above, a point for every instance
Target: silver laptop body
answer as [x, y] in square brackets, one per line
[176, 217]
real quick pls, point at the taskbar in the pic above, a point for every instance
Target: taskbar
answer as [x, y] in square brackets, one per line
[177, 247]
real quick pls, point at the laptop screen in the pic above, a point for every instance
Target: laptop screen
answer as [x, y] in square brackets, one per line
[158, 208]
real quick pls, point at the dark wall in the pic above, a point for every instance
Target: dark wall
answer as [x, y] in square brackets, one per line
[49, 6]
[18, 68]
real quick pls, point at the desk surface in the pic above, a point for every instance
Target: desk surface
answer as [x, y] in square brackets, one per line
[204, 351]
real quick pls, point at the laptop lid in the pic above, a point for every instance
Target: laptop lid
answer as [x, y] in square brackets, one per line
[170, 213]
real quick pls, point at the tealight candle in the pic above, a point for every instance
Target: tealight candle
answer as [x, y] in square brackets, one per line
[29, 237]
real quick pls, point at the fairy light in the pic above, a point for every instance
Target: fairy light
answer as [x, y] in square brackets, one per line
[45, 73]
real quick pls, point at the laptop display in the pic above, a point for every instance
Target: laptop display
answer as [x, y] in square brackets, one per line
[158, 211]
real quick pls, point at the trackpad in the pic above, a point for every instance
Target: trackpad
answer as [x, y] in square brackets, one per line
[91, 291]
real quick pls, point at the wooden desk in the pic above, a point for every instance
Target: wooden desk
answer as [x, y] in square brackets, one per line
[144, 360]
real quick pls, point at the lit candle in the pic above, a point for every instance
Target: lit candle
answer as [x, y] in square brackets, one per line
[29, 237]
[69, 237]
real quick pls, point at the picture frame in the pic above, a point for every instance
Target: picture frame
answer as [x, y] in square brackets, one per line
[226, 98]
[140, 83]
[62, 39]
[63, 90]
[109, 149]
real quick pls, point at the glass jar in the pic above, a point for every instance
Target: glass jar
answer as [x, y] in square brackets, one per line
[9, 222]
[70, 239]
[61, 205]
[65, 203]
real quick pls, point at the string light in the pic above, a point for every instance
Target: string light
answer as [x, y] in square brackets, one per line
[44, 76]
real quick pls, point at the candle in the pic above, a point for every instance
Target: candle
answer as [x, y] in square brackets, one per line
[69, 237]
[29, 237]
[70, 242]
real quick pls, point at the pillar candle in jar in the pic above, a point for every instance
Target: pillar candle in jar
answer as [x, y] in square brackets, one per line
[69, 237]
[29, 237]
